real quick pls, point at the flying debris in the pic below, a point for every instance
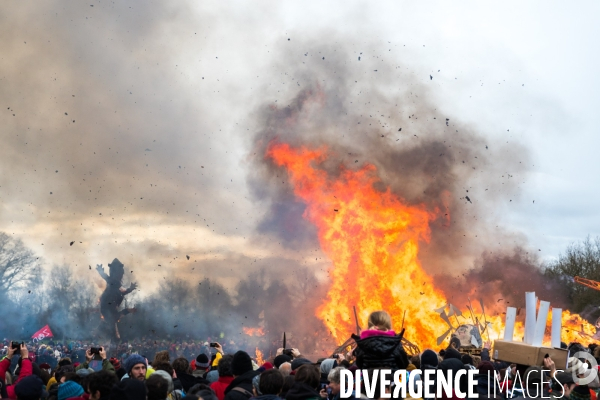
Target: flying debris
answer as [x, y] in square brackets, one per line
[468, 199]
[71, 244]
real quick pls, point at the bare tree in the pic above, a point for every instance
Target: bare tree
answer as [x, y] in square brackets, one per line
[19, 267]
[580, 259]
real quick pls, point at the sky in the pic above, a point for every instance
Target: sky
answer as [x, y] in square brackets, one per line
[130, 128]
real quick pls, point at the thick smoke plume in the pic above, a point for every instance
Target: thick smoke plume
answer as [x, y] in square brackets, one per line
[366, 110]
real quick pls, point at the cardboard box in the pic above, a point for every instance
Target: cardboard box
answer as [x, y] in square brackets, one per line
[521, 353]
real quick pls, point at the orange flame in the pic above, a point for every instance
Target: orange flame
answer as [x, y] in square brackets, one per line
[372, 239]
[259, 357]
[253, 331]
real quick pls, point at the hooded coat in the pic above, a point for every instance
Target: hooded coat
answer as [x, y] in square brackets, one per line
[380, 350]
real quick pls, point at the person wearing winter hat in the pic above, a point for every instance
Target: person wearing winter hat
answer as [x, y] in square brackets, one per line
[69, 389]
[266, 366]
[243, 373]
[241, 363]
[129, 389]
[184, 374]
[135, 367]
[427, 361]
[225, 376]
[30, 388]
[201, 366]
[326, 365]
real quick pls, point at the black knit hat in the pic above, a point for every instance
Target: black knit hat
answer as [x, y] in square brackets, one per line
[429, 358]
[280, 359]
[241, 363]
[202, 361]
[30, 387]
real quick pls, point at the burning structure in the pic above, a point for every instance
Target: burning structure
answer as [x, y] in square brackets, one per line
[395, 214]
[112, 297]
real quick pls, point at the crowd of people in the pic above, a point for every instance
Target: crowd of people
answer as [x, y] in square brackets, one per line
[187, 372]
[51, 351]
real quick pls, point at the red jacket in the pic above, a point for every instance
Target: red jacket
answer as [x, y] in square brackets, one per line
[84, 396]
[26, 370]
[220, 385]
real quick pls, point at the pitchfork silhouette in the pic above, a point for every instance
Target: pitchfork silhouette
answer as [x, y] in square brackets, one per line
[455, 311]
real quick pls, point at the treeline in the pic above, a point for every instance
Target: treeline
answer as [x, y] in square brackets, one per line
[579, 259]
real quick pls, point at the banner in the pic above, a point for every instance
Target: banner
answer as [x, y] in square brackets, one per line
[43, 333]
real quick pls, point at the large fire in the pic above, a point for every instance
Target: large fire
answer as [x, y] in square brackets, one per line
[372, 238]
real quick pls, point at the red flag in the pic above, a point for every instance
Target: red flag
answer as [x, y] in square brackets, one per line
[43, 333]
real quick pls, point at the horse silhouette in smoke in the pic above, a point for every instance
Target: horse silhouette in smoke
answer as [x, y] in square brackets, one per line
[113, 296]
